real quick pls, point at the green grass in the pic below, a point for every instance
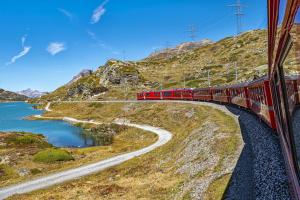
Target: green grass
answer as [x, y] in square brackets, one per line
[25, 139]
[52, 155]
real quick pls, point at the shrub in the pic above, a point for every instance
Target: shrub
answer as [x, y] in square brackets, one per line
[52, 155]
[35, 171]
[6, 172]
[28, 139]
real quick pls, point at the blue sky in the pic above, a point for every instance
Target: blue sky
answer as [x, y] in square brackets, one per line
[44, 43]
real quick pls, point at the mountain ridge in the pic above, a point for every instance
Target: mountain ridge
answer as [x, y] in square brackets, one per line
[186, 65]
[11, 96]
[31, 93]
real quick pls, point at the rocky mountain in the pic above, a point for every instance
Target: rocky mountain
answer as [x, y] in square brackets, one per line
[11, 96]
[186, 65]
[184, 47]
[82, 74]
[31, 93]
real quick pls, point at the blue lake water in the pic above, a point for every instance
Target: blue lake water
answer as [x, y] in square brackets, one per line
[57, 132]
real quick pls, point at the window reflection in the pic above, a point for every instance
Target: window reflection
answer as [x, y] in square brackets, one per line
[291, 68]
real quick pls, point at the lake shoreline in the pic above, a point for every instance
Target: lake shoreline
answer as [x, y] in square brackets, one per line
[19, 117]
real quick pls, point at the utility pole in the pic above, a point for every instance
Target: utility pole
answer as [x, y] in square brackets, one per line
[239, 14]
[208, 77]
[236, 71]
[167, 45]
[192, 32]
[183, 79]
[161, 79]
[123, 53]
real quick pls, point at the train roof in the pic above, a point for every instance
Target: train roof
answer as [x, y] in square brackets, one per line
[176, 89]
[207, 88]
[259, 80]
[238, 85]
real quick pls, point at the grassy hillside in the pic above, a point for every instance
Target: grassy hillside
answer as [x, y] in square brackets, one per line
[172, 68]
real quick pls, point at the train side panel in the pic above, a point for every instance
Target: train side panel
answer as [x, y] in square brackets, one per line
[220, 95]
[297, 90]
[238, 96]
[204, 94]
[261, 101]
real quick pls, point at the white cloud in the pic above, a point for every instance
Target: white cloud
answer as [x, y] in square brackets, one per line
[20, 55]
[23, 39]
[25, 51]
[97, 41]
[91, 34]
[66, 13]
[98, 13]
[56, 47]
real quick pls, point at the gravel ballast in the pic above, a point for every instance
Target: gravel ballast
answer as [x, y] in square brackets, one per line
[260, 172]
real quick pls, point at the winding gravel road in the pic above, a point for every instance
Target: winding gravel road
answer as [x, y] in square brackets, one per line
[43, 182]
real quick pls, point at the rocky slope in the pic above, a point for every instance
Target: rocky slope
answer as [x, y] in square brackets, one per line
[82, 74]
[184, 47]
[11, 96]
[31, 93]
[186, 65]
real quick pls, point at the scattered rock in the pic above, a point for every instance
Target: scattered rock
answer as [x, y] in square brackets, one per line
[23, 172]
[4, 159]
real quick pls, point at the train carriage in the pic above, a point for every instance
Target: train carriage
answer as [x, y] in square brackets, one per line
[203, 94]
[221, 94]
[260, 100]
[187, 94]
[177, 94]
[140, 96]
[239, 95]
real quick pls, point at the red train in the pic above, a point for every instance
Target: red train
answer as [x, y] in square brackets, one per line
[254, 96]
[274, 97]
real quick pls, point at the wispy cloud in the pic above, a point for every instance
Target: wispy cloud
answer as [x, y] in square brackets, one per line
[56, 47]
[25, 51]
[23, 39]
[94, 37]
[66, 13]
[91, 34]
[98, 12]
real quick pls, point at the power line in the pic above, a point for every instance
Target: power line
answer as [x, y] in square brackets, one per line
[192, 32]
[167, 45]
[239, 14]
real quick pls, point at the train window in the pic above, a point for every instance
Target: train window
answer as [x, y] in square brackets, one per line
[167, 94]
[177, 93]
[291, 70]
[282, 6]
[147, 94]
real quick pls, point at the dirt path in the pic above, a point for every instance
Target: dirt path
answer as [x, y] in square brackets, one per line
[43, 182]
